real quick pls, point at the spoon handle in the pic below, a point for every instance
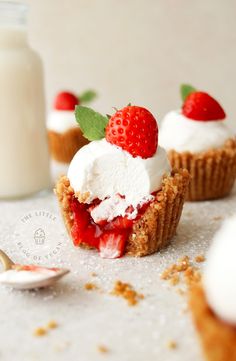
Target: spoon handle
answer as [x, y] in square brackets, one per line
[6, 261]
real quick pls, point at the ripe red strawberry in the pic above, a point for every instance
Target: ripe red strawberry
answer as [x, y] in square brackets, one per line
[135, 130]
[119, 223]
[65, 101]
[201, 106]
[112, 244]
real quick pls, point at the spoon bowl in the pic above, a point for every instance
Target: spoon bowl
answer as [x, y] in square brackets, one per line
[25, 277]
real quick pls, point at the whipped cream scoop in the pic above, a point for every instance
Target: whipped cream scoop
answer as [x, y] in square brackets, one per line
[186, 135]
[113, 175]
[220, 273]
[61, 120]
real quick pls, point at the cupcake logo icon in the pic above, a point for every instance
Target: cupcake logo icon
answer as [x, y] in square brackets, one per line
[39, 236]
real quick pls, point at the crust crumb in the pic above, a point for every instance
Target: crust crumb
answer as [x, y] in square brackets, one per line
[172, 345]
[82, 197]
[40, 331]
[181, 292]
[127, 291]
[103, 349]
[183, 267]
[200, 258]
[192, 275]
[52, 324]
[218, 218]
[174, 280]
[90, 286]
[93, 274]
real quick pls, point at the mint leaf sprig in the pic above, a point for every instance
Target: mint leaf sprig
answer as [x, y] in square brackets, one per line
[185, 90]
[87, 96]
[91, 123]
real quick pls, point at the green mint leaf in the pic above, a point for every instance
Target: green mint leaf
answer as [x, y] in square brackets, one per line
[87, 96]
[185, 90]
[91, 123]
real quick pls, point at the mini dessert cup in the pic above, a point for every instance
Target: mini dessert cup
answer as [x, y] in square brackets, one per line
[198, 138]
[63, 146]
[64, 134]
[156, 227]
[218, 338]
[212, 172]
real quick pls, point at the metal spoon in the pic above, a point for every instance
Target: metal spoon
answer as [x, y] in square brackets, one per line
[27, 277]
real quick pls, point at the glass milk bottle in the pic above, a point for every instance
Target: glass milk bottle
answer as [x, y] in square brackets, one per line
[24, 159]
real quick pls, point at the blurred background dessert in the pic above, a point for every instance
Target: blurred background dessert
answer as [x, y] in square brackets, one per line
[213, 302]
[64, 134]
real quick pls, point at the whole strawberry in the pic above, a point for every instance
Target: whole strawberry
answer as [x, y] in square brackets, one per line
[135, 130]
[68, 101]
[199, 105]
[65, 101]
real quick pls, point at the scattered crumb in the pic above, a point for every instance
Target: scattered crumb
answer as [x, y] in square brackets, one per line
[126, 291]
[93, 274]
[183, 264]
[185, 269]
[174, 280]
[218, 218]
[102, 349]
[90, 286]
[172, 345]
[200, 258]
[192, 275]
[40, 331]
[181, 292]
[52, 324]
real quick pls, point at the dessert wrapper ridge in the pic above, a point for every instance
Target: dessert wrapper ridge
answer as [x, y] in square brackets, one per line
[63, 146]
[213, 172]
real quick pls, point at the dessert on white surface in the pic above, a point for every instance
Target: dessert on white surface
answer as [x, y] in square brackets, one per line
[220, 272]
[120, 193]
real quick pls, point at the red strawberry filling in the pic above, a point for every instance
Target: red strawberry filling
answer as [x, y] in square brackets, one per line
[108, 237]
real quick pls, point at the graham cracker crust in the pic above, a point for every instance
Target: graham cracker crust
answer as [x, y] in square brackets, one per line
[218, 338]
[213, 172]
[158, 224]
[63, 146]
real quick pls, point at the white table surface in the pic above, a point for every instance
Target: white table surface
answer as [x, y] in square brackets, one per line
[87, 319]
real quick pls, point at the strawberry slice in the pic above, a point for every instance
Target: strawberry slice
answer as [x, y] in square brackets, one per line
[119, 223]
[112, 244]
